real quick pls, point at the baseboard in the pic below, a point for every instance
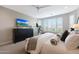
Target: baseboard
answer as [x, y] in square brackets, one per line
[4, 43]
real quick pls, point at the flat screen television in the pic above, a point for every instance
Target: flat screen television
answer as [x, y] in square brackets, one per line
[22, 22]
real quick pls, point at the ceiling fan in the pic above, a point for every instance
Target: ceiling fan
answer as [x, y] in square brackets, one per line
[41, 6]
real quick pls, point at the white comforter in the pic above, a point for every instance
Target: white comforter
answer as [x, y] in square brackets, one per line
[48, 48]
[45, 47]
[43, 42]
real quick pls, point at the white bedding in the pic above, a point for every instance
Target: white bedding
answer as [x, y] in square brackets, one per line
[44, 45]
[67, 47]
[42, 40]
[48, 48]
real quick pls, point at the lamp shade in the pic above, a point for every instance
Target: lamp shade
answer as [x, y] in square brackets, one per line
[75, 26]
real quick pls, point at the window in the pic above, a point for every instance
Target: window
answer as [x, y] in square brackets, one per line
[39, 22]
[71, 20]
[59, 25]
[53, 24]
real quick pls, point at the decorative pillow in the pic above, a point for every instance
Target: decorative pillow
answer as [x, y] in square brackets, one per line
[72, 41]
[64, 35]
[53, 41]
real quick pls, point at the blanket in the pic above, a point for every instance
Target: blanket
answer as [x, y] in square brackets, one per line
[32, 43]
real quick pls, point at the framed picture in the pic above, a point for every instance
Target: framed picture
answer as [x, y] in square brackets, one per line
[22, 22]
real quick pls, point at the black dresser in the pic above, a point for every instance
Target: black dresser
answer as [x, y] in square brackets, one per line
[20, 34]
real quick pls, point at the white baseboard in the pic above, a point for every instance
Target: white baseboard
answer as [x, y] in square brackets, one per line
[4, 43]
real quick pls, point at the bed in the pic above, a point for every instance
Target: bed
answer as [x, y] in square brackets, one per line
[42, 41]
[44, 45]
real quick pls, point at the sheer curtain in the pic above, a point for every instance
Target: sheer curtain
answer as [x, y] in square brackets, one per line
[59, 28]
[52, 24]
[71, 20]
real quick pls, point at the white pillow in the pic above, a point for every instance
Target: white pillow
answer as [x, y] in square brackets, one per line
[72, 41]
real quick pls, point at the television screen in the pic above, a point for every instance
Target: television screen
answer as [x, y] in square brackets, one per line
[22, 22]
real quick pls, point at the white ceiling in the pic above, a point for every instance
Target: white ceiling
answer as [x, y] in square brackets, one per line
[42, 11]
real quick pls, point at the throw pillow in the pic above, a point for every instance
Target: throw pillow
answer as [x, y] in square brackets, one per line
[64, 35]
[72, 41]
[53, 41]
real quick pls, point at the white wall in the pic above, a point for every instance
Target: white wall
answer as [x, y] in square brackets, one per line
[24, 9]
[7, 23]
